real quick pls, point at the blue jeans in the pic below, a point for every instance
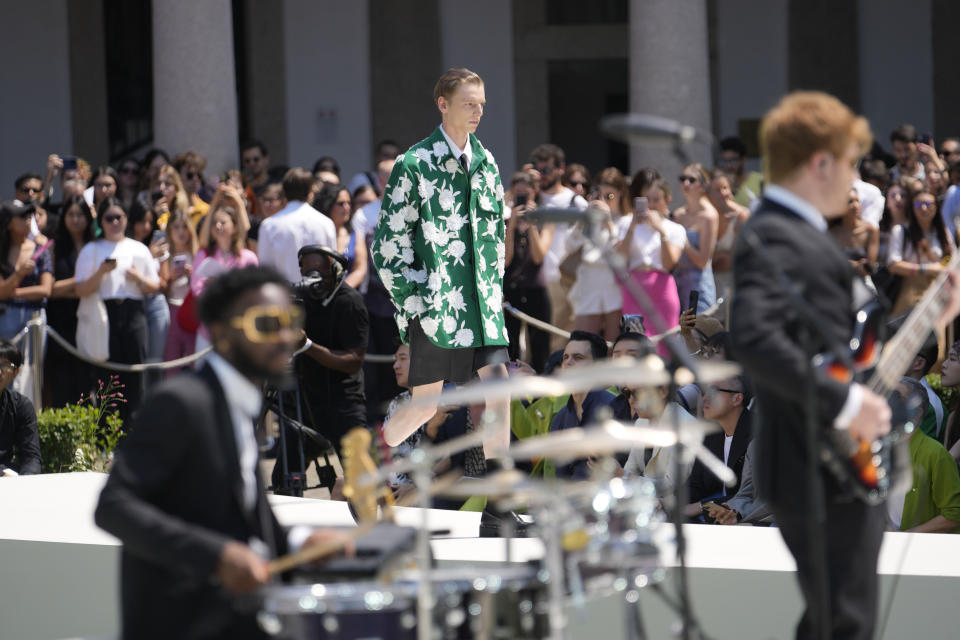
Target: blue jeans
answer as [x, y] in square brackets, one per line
[158, 321]
[12, 321]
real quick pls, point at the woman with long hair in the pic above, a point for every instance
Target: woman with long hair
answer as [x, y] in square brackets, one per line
[918, 250]
[652, 244]
[595, 296]
[68, 378]
[123, 272]
[732, 218]
[105, 184]
[128, 181]
[183, 250]
[335, 202]
[169, 196]
[222, 244]
[699, 217]
[142, 226]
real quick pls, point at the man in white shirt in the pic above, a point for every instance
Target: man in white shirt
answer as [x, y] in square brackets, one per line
[295, 226]
[548, 162]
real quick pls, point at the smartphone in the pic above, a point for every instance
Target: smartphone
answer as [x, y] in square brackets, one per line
[640, 208]
[69, 162]
[110, 260]
[154, 197]
[158, 235]
[694, 300]
[520, 200]
[926, 138]
[179, 261]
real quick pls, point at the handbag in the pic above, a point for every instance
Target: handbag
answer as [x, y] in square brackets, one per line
[187, 313]
[93, 326]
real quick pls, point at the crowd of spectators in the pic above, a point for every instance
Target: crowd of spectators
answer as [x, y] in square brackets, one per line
[146, 235]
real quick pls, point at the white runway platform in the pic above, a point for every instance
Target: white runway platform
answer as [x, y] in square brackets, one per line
[59, 571]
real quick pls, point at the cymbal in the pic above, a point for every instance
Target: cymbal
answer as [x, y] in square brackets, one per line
[609, 437]
[630, 372]
[502, 484]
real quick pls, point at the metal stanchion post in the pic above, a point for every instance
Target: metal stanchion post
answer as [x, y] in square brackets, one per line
[36, 348]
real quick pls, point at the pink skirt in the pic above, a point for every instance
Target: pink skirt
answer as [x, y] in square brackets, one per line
[661, 288]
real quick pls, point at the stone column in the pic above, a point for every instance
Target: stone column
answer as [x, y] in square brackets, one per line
[194, 82]
[670, 76]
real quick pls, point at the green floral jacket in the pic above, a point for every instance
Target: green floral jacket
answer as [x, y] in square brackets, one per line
[439, 244]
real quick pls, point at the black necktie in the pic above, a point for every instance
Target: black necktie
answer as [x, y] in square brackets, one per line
[463, 163]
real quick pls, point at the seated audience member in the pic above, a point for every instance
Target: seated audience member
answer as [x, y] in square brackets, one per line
[932, 503]
[950, 379]
[725, 403]
[583, 348]
[859, 239]
[628, 344]
[933, 415]
[715, 348]
[656, 463]
[746, 506]
[19, 440]
[446, 424]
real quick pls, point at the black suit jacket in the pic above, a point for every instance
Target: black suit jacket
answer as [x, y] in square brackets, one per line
[174, 497]
[767, 332]
[702, 483]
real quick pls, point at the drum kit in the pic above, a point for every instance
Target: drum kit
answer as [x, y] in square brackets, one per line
[600, 536]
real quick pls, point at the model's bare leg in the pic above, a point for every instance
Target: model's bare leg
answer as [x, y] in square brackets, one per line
[496, 419]
[408, 419]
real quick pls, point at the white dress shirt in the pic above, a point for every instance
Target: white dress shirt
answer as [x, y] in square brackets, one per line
[803, 208]
[244, 399]
[456, 150]
[284, 233]
[115, 285]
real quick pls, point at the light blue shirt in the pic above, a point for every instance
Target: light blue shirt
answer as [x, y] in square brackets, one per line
[796, 204]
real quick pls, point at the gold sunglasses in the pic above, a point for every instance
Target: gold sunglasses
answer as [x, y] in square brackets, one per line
[264, 323]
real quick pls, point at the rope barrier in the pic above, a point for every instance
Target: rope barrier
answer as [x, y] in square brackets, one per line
[126, 368]
[546, 326]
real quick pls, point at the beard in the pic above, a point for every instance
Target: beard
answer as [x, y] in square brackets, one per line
[255, 369]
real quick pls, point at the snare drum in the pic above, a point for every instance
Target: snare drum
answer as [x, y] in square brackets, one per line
[469, 603]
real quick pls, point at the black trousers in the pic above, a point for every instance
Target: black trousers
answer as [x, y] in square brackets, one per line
[852, 536]
[379, 381]
[533, 301]
[128, 345]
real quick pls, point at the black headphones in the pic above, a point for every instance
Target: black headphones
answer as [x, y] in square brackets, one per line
[340, 261]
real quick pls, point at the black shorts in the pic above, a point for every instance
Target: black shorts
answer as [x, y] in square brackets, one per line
[430, 363]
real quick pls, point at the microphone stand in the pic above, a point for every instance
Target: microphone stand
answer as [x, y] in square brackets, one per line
[690, 628]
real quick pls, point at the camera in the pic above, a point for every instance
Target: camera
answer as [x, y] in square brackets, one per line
[313, 286]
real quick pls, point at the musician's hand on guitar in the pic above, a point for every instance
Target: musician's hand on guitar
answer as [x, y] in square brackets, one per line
[240, 569]
[873, 419]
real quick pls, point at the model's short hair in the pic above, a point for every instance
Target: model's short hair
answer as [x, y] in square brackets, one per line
[218, 301]
[904, 133]
[598, 346]
[803, 123]
[546, 152]
[297, 183]
[11, 353]
[452, 80]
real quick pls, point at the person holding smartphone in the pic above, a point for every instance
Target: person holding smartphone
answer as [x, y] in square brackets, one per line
[524, 285]
[651, 244]
[123, 272]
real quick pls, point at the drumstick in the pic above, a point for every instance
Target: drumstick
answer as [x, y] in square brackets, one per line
[317, 551]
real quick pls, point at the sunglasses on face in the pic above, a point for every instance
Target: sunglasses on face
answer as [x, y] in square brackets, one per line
[112, 219]
[7, 368]
[192, 175]
[687, 179]
[582, 183]
[923, 205]
[32, 190]
[266, 323]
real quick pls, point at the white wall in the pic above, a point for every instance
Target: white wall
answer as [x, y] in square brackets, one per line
[751, 60]
[34, 88]
[328, 83]
[479, 36]
[896, 65]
